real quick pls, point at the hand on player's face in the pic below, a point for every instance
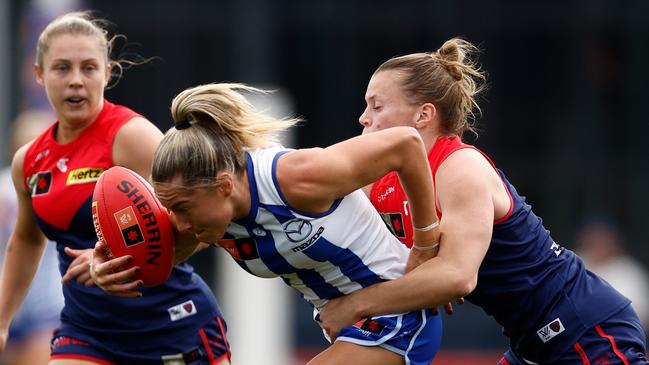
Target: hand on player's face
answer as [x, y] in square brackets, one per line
[114, 276]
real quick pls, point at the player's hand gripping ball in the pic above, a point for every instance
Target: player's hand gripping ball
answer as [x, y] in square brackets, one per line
[131, 221]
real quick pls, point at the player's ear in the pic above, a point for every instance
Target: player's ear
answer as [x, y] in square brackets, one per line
[108, 73]
[225, 183]
[38, 75]
[425, 115]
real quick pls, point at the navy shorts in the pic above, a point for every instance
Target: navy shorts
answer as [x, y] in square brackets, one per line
[415, 335]
[208, 346]
[618, 340]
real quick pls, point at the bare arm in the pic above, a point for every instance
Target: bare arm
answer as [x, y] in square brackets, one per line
[24, 251]
[135, 144]
[313, 179]
[466, 226]
[465, 192]
[367, 189]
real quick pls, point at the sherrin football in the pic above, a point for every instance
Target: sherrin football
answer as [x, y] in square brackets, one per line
[131, 221]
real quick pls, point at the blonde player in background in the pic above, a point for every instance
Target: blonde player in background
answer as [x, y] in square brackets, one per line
[54, 178]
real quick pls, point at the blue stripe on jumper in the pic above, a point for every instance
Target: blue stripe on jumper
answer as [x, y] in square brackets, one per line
[348, 262]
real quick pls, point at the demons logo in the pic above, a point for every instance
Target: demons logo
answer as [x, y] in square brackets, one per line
[40, 183]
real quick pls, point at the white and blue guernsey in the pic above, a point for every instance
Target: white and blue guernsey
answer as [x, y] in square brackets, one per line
[328, 255]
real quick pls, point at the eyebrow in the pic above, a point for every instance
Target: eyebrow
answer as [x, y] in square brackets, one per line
[181, 199]
[175, 206]
[69, 61]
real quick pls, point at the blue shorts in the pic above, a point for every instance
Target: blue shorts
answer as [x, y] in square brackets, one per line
[415, 335]
[618, 340]
[206, 347]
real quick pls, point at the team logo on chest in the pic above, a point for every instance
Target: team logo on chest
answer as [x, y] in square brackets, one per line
[394, 222]
[62, 164]
[240, 248]
[40, 183]
[297, 230]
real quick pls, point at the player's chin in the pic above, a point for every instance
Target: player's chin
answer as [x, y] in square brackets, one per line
[208, 237]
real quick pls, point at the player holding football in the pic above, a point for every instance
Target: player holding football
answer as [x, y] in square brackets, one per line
[297, 214]
[493, 249]
[54, 177]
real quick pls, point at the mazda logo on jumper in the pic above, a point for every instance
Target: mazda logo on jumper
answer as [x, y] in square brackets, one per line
[297, 229]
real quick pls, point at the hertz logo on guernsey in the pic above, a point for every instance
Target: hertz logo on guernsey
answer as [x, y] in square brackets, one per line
[84, 175]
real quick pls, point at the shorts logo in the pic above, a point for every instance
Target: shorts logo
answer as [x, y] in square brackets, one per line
[176, 359]
[40, 183]
[66, 341]
[189, 357]
[182, 310]
[128, 224]
[84, 175]
[297, 230]
[369, 325]
[550, 330]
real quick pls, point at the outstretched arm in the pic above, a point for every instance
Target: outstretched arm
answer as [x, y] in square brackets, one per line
[465, 194]
[312, 179]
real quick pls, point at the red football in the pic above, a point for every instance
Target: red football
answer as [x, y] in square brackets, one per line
[130, 219]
